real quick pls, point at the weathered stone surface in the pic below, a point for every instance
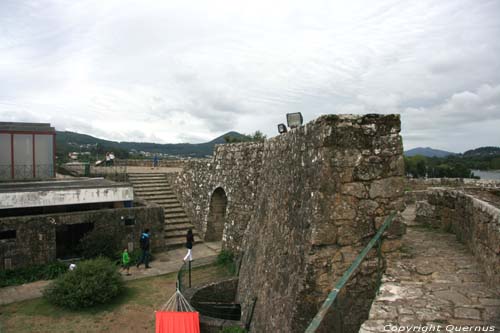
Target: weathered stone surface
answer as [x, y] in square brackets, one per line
[387, 188]
[473, 221]
[299, 211]
[425, 285]
[35, 241]
[236, 169]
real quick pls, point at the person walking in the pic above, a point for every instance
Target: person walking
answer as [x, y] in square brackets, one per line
[189, 245]
[144, 242]
[126, 261]
[155, 162]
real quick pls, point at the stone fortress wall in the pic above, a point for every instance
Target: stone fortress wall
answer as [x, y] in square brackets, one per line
[474, 222]
[35, 242]
[235, 168]
[300, 207]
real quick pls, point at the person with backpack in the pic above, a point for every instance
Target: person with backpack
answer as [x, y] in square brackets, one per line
[144, 243]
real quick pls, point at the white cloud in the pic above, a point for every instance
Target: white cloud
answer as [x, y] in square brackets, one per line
[174, 71]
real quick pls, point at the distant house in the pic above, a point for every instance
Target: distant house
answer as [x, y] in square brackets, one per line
[27, 150]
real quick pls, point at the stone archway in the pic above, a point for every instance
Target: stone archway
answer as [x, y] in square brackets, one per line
[216, 216]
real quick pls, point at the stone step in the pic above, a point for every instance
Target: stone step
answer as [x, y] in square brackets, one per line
[152, 187]
[176, 215]
[167, 201]
[152, 174]
[157, 197]
[179, 241]
[161, 182]
[179, 226]
[153, 192]
[147, 177]
[171, 206]
[140, 179]
[179, 233]
[177, 220]
[172, 211]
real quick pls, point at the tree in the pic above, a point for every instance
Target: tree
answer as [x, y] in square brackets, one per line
[258, 136]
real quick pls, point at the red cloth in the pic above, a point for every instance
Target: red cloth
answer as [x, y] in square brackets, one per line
[177, 322]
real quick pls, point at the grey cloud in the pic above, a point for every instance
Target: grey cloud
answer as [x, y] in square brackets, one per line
[172, 71]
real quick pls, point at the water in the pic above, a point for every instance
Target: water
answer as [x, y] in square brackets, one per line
[490, 174]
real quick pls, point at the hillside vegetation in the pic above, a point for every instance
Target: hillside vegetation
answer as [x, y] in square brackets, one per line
[75, 142]
[459, 165]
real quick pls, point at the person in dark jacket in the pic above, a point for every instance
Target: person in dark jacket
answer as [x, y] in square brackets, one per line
[189, 245]
[144, 242]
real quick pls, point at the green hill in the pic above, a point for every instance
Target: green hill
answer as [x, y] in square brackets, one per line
[75, 142]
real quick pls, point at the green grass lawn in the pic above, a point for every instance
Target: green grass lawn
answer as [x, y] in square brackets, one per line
[132, 311]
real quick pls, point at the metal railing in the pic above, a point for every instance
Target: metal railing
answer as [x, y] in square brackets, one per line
[112, 171]
[332, 296]
[26, 171]
[184, 276]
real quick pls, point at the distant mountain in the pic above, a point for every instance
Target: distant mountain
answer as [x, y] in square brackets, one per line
[482, 152]
[72, 141]
[428, 152]
[220, 139]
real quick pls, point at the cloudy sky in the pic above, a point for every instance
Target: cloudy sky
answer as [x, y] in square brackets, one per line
[188, 71]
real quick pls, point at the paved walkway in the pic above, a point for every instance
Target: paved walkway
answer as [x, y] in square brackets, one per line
[435, 282]
[164, 263]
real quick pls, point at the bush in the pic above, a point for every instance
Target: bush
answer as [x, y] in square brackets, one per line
[18, 276]
[93, 282]
[226, 259]
[98, 244]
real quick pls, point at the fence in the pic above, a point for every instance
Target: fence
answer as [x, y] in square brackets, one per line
[331, 299]
[26, 171]
[220, 304]
[112, 172]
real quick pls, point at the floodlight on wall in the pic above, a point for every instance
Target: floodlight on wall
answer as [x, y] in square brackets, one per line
[294, 119]
[282, 128]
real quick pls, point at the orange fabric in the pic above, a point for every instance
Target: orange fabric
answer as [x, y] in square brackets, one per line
[177, 322]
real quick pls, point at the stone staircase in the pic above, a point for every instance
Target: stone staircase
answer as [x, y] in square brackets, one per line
[154, 187]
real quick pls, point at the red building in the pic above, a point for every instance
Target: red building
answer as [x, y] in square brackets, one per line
[27, 151]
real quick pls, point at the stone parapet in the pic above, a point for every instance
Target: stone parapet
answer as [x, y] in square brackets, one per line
[474, 222]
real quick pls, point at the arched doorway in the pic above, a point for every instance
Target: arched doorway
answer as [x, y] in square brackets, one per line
[216, 216]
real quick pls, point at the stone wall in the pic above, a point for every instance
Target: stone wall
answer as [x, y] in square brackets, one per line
[414, 184]
[223, 291]
[236, 169]
[475, 223]
[301, 206]
[35, 241]
[324, 190]
[161, 163]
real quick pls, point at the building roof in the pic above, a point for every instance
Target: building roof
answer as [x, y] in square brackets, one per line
[26, 127]
[63, 192]
[66, 184]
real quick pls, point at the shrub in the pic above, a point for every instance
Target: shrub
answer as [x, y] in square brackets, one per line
[18, 276]
[98, 244]
[226, 259]
[93, 282]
